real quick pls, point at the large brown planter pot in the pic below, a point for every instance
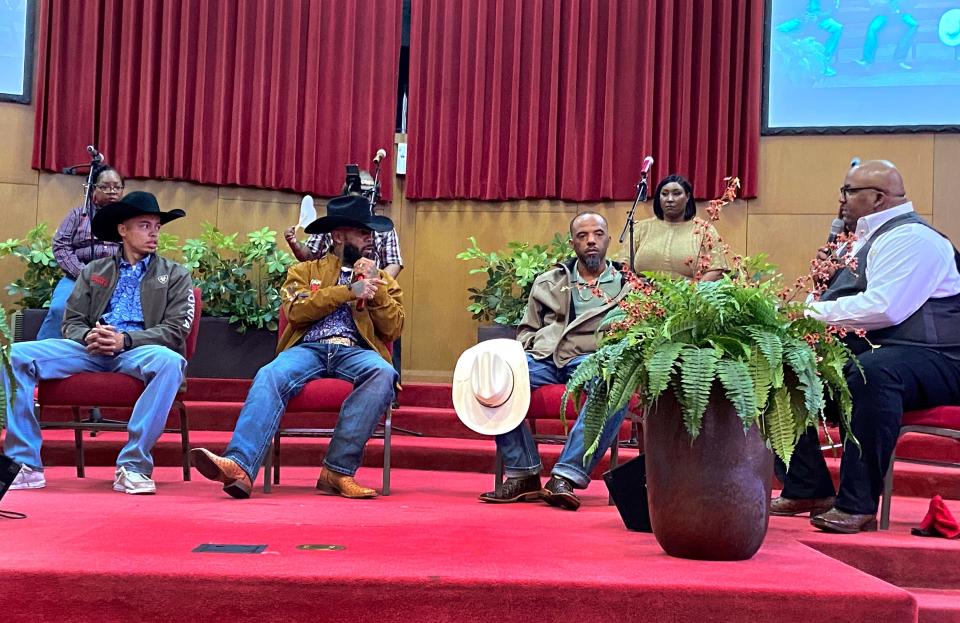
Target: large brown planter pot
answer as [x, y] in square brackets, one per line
[709, 500]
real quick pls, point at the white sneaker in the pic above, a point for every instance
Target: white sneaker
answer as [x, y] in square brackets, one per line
[28, 478]
[133, 483]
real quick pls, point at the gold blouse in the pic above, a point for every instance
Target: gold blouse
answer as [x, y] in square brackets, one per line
[666, 247]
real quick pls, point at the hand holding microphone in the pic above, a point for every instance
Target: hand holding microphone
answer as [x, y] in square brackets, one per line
[365, 281]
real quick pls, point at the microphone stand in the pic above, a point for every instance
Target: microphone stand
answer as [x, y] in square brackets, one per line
[628, 226]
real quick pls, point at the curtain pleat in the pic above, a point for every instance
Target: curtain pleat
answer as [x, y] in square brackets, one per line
[263, 93]
[514, 99]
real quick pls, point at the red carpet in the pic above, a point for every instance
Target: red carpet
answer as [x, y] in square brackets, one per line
[431, 552]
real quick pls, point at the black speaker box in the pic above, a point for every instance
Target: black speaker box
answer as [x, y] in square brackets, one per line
[628, 488]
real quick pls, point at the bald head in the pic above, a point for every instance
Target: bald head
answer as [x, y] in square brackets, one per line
[870, 187]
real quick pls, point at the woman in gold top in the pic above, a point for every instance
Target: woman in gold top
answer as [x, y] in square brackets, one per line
[667, 242]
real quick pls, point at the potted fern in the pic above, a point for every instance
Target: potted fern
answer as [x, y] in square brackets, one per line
[726, 371]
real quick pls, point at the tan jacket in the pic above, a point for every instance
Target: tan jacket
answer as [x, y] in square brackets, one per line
[311, 293]
[549, 327]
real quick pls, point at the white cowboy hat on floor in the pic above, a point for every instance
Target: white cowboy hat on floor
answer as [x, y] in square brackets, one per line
[491, 387]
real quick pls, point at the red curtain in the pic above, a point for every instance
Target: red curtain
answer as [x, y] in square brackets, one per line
[266, 93]
[563, 98]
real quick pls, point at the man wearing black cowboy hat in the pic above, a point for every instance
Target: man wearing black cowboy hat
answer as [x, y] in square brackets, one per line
[130, 314]
[342, 312]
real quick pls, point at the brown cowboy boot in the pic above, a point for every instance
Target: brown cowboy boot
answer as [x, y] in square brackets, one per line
[332, 483]
[235, 481]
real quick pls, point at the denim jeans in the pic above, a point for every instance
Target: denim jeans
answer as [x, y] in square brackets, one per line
[373, 380]
[50, 329]
[519, 450]
[879, 22]
[158, 367]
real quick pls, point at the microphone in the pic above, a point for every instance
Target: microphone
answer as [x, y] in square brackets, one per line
[96, 155]
[855, 162]
[358, 277]
[835, 228]
[647, 163]
[381, 154]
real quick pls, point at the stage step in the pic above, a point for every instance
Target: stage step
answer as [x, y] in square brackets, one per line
[426, 453]
[937, 605]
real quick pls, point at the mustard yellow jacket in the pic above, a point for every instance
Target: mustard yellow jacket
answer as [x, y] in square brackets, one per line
[311, 293]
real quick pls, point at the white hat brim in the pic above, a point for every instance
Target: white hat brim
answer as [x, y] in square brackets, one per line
[492, 420]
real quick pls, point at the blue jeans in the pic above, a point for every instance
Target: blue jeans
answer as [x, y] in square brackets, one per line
[158, 367]
[50, 329]
[879, 22]
[519, 450]
[373, 380]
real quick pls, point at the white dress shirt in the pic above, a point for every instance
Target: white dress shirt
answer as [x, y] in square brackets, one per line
[906, 266]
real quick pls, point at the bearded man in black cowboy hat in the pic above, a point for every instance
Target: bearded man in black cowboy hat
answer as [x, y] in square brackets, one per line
[342, 312]
[130, 313]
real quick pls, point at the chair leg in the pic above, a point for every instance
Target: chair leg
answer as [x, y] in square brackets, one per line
[276, 458]
[185, 442]
[387, 432]
[78, 444]
[887, 495]
[268, 469]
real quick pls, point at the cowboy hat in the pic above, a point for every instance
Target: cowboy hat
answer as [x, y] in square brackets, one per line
[349, 211]
[491, 387]
[107, 218]
[949, 28]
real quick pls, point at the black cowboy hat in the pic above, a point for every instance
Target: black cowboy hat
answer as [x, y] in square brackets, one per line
[349, 211]
[107, 218]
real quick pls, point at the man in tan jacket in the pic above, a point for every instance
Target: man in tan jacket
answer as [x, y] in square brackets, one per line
[342, 312]
[558, 331]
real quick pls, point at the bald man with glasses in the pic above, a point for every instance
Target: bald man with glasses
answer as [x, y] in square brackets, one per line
[905, 293]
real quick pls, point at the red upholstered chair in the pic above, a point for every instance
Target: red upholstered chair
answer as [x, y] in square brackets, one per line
[320, 396]
[545, 405]
[111, 389]
[942, 421]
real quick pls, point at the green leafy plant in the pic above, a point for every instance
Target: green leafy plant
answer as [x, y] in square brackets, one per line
[743, 333]
[42, 273]
[238, 281]
[510, 276]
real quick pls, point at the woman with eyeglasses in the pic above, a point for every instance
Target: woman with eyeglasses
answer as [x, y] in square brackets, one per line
[667, 242]
[74, 246]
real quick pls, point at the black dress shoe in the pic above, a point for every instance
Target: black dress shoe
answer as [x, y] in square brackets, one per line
[559, 492]
[788, 507]
[519, 489]
[836, 520]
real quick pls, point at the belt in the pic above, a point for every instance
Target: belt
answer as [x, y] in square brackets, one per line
[342, 341]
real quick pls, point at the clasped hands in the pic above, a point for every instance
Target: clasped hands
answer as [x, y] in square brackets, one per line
[367, 282]
[103, 339]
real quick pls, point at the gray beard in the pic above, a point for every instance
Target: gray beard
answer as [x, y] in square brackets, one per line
[593, 263]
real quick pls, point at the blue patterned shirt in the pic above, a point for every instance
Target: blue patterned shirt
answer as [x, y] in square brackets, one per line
[124, 312]
[340, 322]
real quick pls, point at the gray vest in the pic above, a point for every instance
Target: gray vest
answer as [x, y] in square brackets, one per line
[935, 325]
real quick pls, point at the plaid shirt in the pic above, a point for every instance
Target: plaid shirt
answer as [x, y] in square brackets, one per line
[72, 246]
[387, 247]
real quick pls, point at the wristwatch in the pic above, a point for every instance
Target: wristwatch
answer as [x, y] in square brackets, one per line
[127, 341]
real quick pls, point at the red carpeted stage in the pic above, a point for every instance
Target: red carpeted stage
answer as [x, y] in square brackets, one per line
[431, 552]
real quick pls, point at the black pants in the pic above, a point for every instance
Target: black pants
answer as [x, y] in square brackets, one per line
[897, 379]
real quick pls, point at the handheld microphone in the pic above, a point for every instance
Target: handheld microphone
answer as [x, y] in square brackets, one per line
[647, 163]
[836, 227]
[96, 155]
[381, 154]
[358, 277]
[855, 162]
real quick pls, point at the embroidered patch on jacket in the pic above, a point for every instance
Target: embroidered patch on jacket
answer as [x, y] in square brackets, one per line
[100, 280]
[162, 278]
[314, 285]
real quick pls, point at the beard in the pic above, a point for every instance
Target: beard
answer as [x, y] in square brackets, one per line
[351, 253]
[592, 262]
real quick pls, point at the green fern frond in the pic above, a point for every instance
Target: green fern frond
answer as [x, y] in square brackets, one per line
[735, 378]
[759, 369]
[803, 362]
[660, 367]
[696, 380]
[771, 346]
[779, 424]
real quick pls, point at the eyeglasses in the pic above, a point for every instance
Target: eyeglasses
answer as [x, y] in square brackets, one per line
[106, 188]
[846, 191]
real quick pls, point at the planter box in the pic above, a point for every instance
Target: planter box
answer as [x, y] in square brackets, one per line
[224, 353]
[495, 331]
